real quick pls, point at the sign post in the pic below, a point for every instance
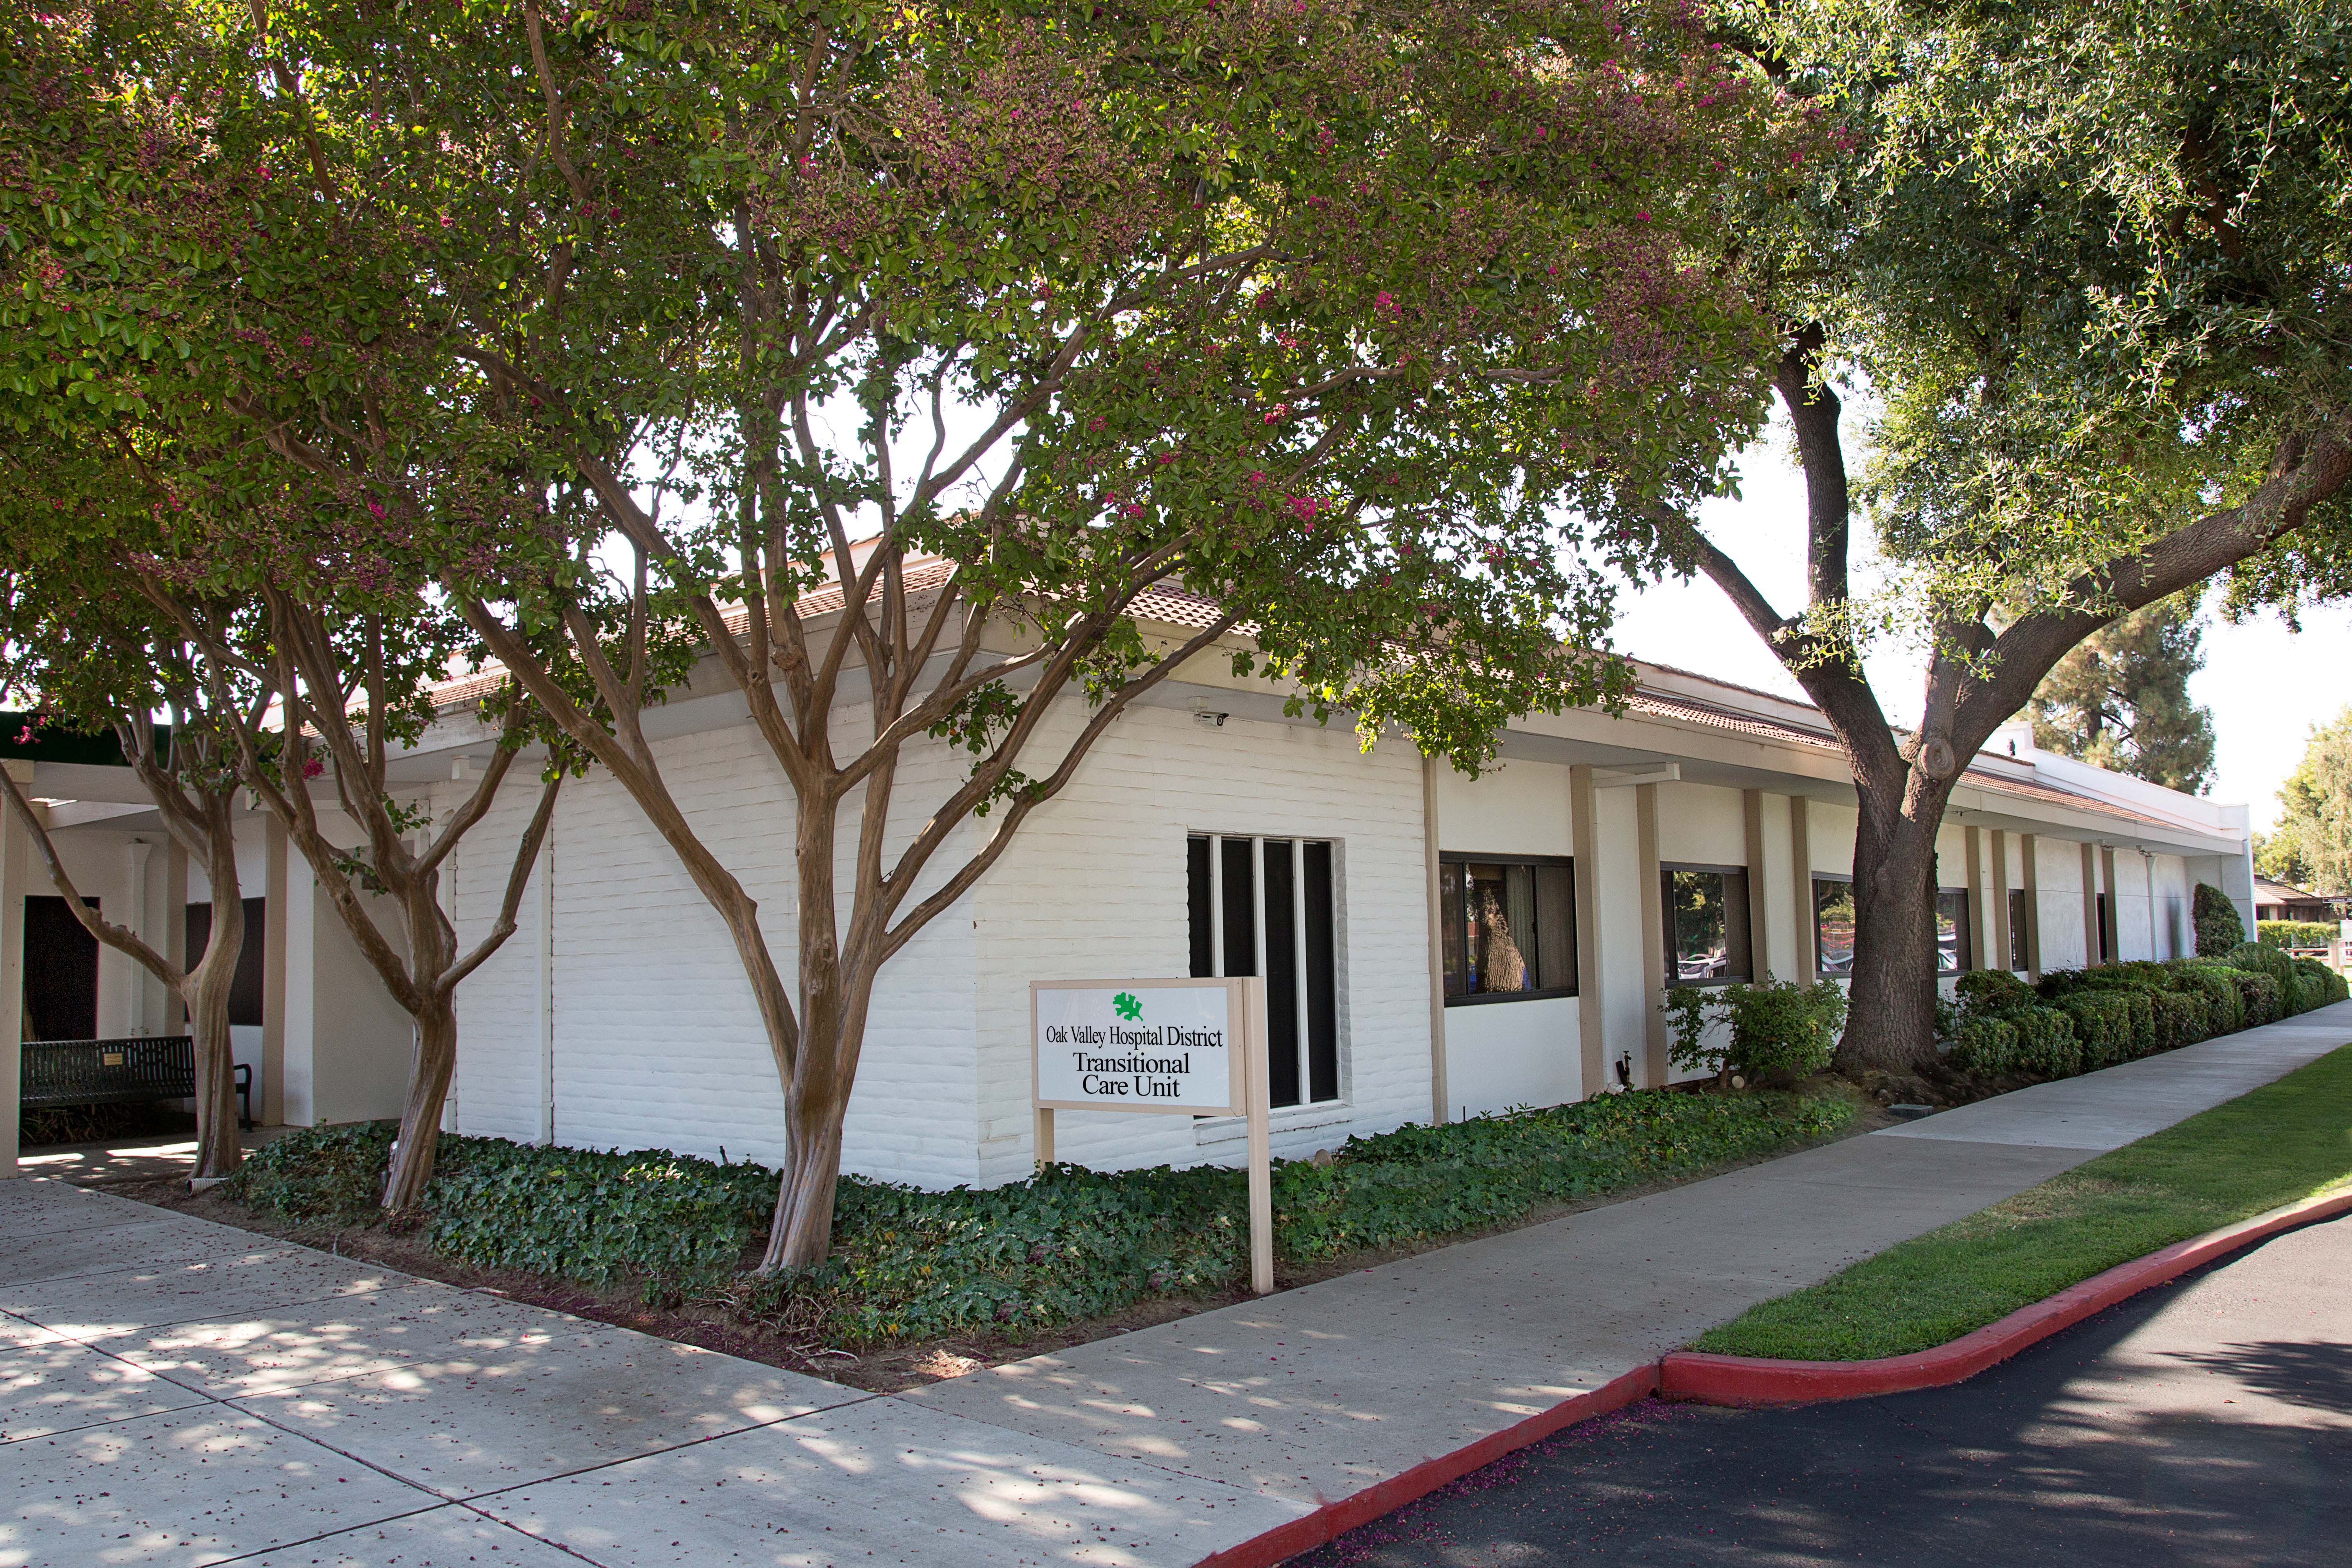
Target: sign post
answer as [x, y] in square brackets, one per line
[1170, 1047]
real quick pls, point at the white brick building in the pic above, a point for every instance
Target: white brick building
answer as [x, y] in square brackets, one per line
[617, 1015]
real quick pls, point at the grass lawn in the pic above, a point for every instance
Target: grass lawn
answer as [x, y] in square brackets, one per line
[2288, 1140]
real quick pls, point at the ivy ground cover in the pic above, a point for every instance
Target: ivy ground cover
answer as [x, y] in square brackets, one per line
[1066, 1245]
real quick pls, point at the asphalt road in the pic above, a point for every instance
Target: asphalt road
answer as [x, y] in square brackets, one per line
[2206, 1423]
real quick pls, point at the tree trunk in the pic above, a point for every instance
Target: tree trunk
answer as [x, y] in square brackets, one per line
[218, 1147]
[420, 1115]
[1891, 1006]
[802, 1234]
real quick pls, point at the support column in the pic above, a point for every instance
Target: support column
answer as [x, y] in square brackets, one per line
[1977, 957]
[175, 930]
[547, 983]
[1437, 1102]
[139, 1018]
[2092, 956]
[1759, 909]
[1584, 837]
[273, 973]
[2004, 942]
[16, 862]
[1800, 863]
[2113, 951]
[2030, 855]
[1653, 938]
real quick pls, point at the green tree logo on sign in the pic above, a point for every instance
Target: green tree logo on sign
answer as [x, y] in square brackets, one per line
[1127, 1006]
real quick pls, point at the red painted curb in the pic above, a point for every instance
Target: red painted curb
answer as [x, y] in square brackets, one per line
[1757, 1379]
[1334, 1518]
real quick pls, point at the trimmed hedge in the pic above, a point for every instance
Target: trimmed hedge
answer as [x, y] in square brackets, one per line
[2294, 933]
[1069, 1243]
[2219, 929]
[2121, 1011]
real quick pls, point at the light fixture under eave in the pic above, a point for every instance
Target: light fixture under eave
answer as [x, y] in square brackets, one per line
[1209, 719]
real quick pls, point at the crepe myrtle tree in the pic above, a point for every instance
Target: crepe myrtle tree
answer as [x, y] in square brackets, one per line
[357, 675]
[87, 656]
[891, 357]
[2090, 262]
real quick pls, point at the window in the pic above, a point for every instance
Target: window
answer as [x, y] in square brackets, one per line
[1287, 919]
[1834, 926]
[2016, 956]
[245, 986]
[1509, 927]
[1706, 923]
[1955, 942]
[2107, 953]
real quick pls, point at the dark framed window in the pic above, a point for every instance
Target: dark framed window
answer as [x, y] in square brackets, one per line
[1295, 909]
[2017, 955]
[60, 997]
[1707, 924]
[1832, 925]
[244, 987]
[2107, 953]
[1509, 927]
[1954, 942]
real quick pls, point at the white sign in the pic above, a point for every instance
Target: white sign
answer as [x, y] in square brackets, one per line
[1194, 1047]
[1140, 1046]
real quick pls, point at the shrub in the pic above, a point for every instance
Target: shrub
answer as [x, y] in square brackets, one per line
[1780, 1030]
[323, 1173]
[2103, 1025]
[2262, 960]
[1982, 992]
[2264, 998]
[2046, 1046]
[2315, 985]
[2225, 1007]
[2142, 1039]
[2218, 928]
[2293, 933]
[1986, 1045]
[2181, 1018]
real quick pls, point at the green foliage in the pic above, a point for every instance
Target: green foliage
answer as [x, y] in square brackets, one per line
[2262, 959]
[2294, 933]
[2103, 1025]
[1778, 1030]
[2312, 844]
[1068, 1243]
[2119, 699]
[2315, 985]
[2225, 1005]
[1991, 991]
[2025, 1041]
[2219, 929]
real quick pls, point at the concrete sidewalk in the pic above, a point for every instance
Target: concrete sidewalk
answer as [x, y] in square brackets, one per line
[175, 1391]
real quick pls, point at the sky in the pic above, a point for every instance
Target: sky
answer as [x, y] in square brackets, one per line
[2265, 686]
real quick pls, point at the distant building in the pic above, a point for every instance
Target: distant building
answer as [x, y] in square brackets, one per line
[2282, 902]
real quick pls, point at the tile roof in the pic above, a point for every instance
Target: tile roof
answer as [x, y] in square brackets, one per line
[1173, 604]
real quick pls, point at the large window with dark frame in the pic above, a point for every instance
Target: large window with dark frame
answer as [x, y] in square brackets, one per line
[1833, 926]
[1707, 924]
[2016, 947]
[1266, 907]
[1954, 942]
[1508, 927]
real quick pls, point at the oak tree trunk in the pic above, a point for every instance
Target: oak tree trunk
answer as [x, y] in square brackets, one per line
[1891, 1004]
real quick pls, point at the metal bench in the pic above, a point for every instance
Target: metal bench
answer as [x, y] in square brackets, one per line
[117, 1072]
